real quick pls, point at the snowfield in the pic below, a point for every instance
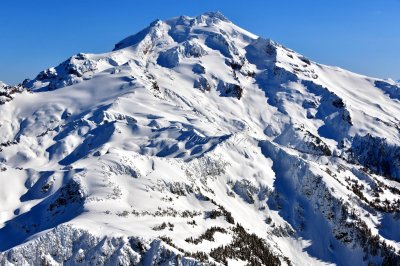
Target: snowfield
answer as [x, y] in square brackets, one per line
[195, 142]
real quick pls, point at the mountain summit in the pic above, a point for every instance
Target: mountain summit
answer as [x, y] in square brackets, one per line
[195, 142]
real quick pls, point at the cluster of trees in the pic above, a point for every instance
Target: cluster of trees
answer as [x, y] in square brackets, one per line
[207, 235]
[358, 230]
[247, 247]
[222, 212]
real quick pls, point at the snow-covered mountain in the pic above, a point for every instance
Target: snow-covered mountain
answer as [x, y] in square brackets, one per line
[195, 142]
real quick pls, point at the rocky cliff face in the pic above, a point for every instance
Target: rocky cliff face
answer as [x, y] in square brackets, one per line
[195, 142]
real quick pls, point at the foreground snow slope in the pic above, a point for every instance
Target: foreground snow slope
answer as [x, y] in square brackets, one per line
[197, 142]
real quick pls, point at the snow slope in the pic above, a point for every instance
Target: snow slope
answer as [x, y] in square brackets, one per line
[196, 142]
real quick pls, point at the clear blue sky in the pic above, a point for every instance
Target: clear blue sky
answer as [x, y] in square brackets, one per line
[360, 35]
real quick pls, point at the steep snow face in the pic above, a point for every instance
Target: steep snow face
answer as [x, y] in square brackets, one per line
[195, 141]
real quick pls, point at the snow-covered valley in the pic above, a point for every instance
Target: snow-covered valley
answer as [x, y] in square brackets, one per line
[195, 142]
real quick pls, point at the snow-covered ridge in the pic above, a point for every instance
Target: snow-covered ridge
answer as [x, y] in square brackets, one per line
[195, 141]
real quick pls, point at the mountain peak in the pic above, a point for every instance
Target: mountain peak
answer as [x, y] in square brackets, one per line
[207, 18]
[152, 32]
[216, 15]
[176, 27]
